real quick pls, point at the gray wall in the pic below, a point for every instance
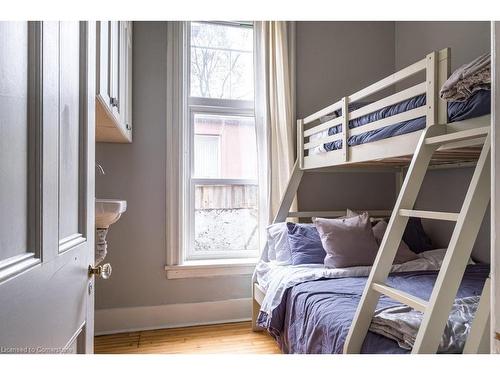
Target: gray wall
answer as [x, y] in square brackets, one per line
[444, 190]
[136, 172]
[335, 59]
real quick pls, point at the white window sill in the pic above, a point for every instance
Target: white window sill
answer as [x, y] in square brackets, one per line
[211, 268]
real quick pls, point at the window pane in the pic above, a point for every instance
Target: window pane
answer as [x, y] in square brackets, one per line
[207, 157]
[226, 218]
[234, 156]
[221, 61]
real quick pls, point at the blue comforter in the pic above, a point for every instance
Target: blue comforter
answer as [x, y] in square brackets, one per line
[478, 104]
[315, 316]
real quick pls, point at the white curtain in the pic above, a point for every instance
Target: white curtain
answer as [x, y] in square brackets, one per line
[274, 111]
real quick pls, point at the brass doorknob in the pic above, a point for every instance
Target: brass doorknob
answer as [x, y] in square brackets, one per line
[103, 271]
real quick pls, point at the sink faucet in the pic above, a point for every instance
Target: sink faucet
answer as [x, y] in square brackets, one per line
[99, 168]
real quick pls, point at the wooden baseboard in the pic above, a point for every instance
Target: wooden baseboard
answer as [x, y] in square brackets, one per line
[130, 319]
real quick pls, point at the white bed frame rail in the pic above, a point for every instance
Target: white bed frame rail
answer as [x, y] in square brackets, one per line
[437, 69]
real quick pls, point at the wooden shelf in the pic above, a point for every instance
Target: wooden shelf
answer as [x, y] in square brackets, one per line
[107, 129]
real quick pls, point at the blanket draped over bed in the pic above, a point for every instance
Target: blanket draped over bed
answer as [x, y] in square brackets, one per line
[315, 316]
[401, 323]
[467, 79]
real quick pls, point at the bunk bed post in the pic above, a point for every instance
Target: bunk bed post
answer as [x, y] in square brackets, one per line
[345, 128]
[300, 143]
[256, 304]
[444, 69]
[431, 74]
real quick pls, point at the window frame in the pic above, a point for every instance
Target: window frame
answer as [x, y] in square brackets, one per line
[206, 106]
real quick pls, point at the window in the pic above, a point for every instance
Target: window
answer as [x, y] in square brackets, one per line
[221, 65]
[220, 173]
[207, 161]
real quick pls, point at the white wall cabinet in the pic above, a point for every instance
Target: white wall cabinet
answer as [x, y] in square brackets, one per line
[114, 82]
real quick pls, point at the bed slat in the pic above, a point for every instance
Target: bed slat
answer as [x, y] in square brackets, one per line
[321, 141]
[325, 111]
[435, 215]
[463, 135]
[326, 125]
[400, 117]
[339, 213]
[389, 100]
[403, 297]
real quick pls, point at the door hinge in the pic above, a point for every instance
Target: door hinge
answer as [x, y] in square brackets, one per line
[114, 102]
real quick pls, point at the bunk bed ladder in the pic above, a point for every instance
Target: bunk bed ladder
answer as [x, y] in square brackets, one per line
[437, 309]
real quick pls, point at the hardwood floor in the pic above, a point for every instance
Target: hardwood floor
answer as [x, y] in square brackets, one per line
[230, 338]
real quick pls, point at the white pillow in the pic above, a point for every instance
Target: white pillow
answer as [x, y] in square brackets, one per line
[277, 242]
[320, 148]
[278, 248]
[436, 256]
[322, 134]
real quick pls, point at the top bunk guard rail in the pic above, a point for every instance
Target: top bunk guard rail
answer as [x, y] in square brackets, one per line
[436, 66]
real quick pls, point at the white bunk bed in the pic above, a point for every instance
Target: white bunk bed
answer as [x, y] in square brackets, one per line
[450, 145]
[394, 151]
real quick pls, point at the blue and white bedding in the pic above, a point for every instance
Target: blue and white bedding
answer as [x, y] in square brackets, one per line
[309, 308]
[479, 104]
[276, 278]
[314, 317]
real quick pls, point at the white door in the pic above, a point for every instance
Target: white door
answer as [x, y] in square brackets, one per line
[495, 198]
[47, 101]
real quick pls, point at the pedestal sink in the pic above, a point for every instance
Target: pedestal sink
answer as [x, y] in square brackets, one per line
[107, 212]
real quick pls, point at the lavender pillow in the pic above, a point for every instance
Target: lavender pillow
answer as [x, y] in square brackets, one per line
[404, 253]
[277, 241]
[305, 244]
[348, 241]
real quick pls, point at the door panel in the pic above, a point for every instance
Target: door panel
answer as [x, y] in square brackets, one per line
[495, 188]
[14, 143]
[46, 298]
[69, 132]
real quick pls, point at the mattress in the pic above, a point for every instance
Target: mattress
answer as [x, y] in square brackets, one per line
[479, 104]
[315, 316]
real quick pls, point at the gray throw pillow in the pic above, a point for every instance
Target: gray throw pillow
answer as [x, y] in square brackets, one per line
[348, 242]
[404, 253]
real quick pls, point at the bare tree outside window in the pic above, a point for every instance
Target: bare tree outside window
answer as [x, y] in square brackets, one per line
[221, 61]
